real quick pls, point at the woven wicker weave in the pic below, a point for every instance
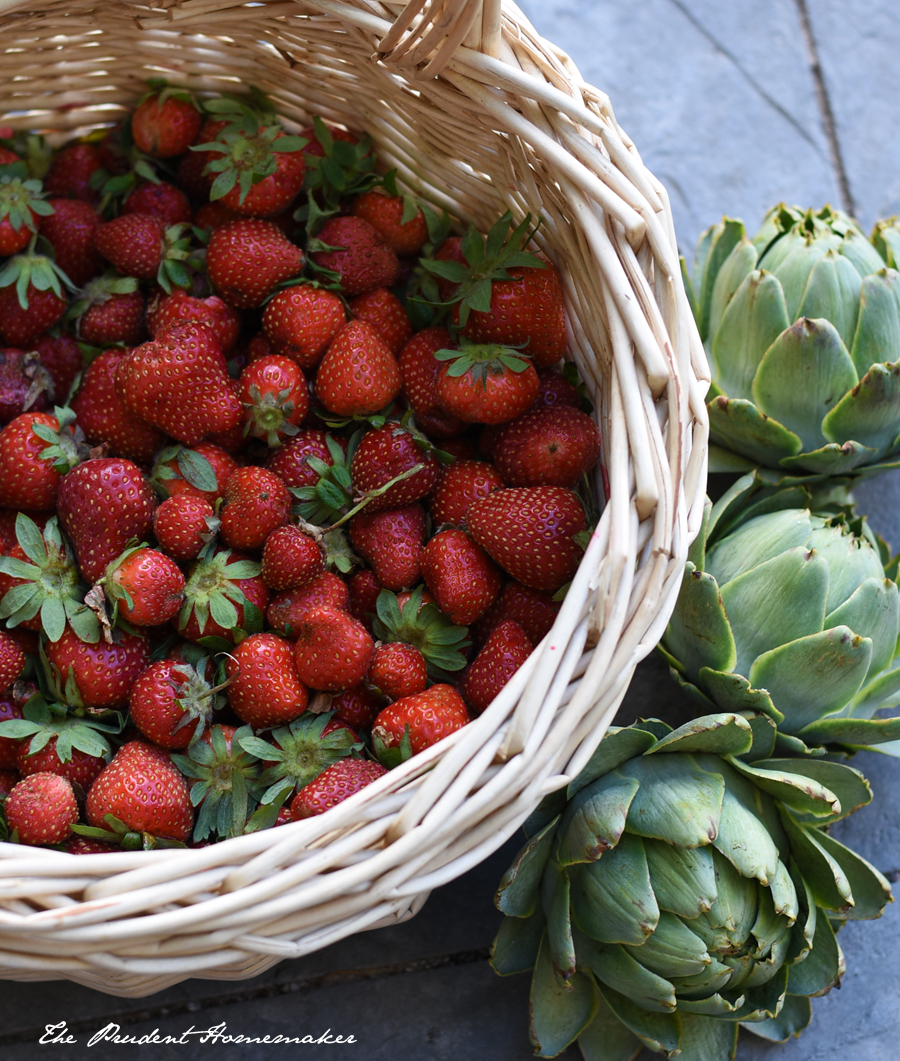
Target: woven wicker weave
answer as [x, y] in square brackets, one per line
[479, 115]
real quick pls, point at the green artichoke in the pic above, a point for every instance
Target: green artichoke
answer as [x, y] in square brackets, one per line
[792, 613]
[802, 327]
[682, 886]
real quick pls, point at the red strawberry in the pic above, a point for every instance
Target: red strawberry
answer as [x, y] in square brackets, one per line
[332, 649]
[458, 485]
[254, 503]
[70, 172]
[102, 504]
[178, 306]
[387, 315]
[450, 251]
[556, 390]
[534, 610]
[420, 370]
[385, 213]
[315, 149]
[291, 462]
[218, 591]
[183, 525]
[291, 558]
[146, 585]
[427, 717]
[161, 200]
[274, 397]
[110, 310]
[288, 607]
[487, 384]
[79, 767]
[178, 471]
[265, 688]
[105, 418]
[23, 319]
[460, 574]
[391, 542]
[22, 208]
[26, 480]
[165, 123]
[61, 356]
[301, 321]
[247, 259]
[358, 374]
[386, 453]
[8, 780]
[42, 809]
[133, 243]
[530, 531]
[143, 790]
[24, 383]
[398, 670]
[503, 653]
[359, 254]
[364, 588]
[340, 781]
[70, 231]
[179, 383]
[12, 660]
[357, 706]
[555, 446]
[102, 674]
[172, 703]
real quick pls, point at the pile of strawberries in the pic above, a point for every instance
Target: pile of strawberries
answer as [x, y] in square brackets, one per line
[291, 479]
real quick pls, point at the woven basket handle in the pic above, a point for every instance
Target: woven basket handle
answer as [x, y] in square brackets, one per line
[427, 33]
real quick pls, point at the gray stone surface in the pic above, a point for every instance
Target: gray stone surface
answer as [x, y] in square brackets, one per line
[721, 100]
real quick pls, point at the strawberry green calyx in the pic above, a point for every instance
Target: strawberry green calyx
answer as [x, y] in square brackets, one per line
[269, 415]
[482, 359]
[194, 467]
[48, 583]
[177, 258]
[426, 627]
[119, 835]
[225, 785]
[300, 753]
[211, 591]
[35, 270]
[486, 260]
[43, 721]
[21, 197]
[66, 446]
[343, 170]
[332, 495]
[97, 292]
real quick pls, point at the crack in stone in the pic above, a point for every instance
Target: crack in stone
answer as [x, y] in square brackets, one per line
[748, 77]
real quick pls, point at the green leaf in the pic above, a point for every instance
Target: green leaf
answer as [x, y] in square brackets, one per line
[614, 966]
[31, 540]
[822, 967]
[519, 890]
[871, 891]
[594, 820]
[558, 1014]
[612, 898]
[699, 634]
[678, 800]
[515, 947]
[722, 734]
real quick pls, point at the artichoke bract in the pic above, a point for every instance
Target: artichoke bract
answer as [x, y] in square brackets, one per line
[683, 887]
[802, 327]
[792, 613]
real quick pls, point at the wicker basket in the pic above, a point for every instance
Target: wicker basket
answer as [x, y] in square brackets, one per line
[479, 115]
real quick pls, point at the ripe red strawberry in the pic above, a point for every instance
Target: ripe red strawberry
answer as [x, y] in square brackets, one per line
[288, 607]
[391, 542]
[254, 503]
[109, 311]
[530, 531]
[179, 383]
[183, 526]
[143, 790]
[534, 610]
[291, 558]
[359, 254]
[291, 462]
[450, 251]
[178, 471]
[146, 586]
[364, 588]
[301, 321]
[387, 315]
[420, 370]
[332, 649]
[79, 767]
[22, 208]
[8, 780]
[102, 504]
[358, 374]
[26, 480]
[70, 231]
[357, 706]
[167, 309]
[70, 172]
[460, 574]
[265, 688]
[12, 660]
[340, 781]
[386, 453]
[427, 717]
[42, 809]
[398, 670]
[247, 259]
[161, 200]
[503, 653]
[100, 674]
[554, 446]
[274, 397]
[165, 123]
[133, 244]
[458, 485]
[105, 418]
[556, 389]
[171, 703]
[223, 596]
[24, 383]
[385, 213]
[24, 318]
[62, 358]
[487, 384]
